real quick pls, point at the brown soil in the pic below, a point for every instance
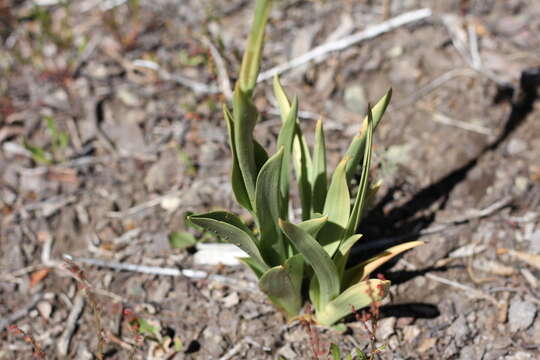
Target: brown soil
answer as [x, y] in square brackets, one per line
[144, 149]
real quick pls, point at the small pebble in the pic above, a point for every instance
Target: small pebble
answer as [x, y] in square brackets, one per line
[521, 314]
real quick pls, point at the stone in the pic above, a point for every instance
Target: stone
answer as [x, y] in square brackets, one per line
[426, 344]
[521, 314]
[287, 352]
[459, 331]
[45, 309]
[164, 173]
[386, 328]
[520, 355]
[534, 242]
[469, 352]
[128, 98]
[356, 99]
[410, 333]
[215, 254]
[231, 300]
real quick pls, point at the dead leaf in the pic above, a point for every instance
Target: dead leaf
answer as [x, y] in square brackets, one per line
[426, 344]
[38, 276]
[531, 259]
[66, 175]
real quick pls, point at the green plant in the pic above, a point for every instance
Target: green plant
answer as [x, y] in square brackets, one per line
[59, 142]
[305, 260]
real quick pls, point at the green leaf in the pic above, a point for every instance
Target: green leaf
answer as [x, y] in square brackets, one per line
[361, 195]
[314, 254]
[261, 157]
[267, 209]
[318, 174]
[314, 292]
[249, 70]
[254, 266]
[342, 255]
[283, 285]
[357, 296]
[313, 226]
[300, 151]
[39, 155]
[237, 181]
[361, 355]
[356, 149]
[181, 240]
[282, 99]
[342, 328]
[177, 344]
[336, 353]
[337, 208]
[285, 140]
[63, 140]
[295, 267]
[146, 328]
[362, 271]
[338, 202]
[51, 126]
[231, 229]
[245, 116]
[303, 169]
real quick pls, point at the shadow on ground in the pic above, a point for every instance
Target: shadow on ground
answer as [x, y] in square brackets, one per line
[404, 223]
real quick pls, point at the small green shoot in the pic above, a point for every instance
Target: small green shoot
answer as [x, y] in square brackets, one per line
[181, 240]
[59, 142]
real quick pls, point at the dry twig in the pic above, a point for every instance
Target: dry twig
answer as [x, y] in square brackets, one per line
[223, 75]
[321, 52]
[471, 292]
[165, 271]
[62, 346]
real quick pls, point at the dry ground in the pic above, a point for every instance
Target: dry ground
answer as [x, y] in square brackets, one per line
[458, 152]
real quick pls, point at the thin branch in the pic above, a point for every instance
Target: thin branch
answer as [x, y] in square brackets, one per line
[223, 75]
[62, 346]
[143, 206]
[470, 291]
[166, 271]
[432, 85]
[446, 120]
[470, 53]
[319, 53]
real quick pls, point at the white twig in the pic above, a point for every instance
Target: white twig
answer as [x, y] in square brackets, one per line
[143, 206]
[223, 75]
[473, 44]
[434, 84]
[446, 120]
[62, 347]
[165, 271]
[477, 214]
[470, 291]
[197, 87]
[235, 350]
[321, 52]
[470, 53]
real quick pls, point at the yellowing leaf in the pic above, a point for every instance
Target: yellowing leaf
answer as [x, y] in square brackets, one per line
[361, 271]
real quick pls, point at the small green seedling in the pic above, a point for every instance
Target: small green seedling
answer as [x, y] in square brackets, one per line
[59, 142]
[306, 260]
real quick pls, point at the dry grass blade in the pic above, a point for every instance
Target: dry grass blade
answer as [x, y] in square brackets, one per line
[531, 259]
